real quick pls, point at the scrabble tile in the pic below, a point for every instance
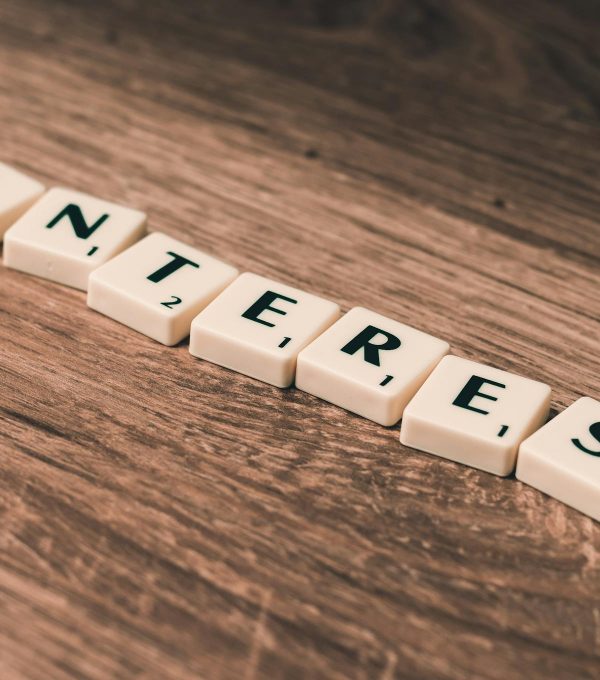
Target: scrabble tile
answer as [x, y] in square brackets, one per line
[474, 414]
[17, 193]
[66, 235]
[157, 286]
[258, 327]
[563, 458]
[369, 364]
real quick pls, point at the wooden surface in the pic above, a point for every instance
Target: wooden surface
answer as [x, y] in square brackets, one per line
[165, 518]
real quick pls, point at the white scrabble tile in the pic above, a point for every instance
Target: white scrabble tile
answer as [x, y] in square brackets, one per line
[369, 364]
[474, 414]
[66, 235]
[157, 286]
[17, 193]
[563, 458]
[258, 327]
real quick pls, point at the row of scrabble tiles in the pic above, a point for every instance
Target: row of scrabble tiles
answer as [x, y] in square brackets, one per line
[362, 361]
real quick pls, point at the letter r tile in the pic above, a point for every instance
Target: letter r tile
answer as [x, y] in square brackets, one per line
[474, 414]
[369, 364]
[66, 235]
[258, 326]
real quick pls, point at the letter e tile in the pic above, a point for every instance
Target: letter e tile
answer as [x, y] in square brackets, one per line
[258, 326]
[474, 414]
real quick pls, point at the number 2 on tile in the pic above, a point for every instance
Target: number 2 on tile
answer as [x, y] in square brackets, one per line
[171, 303]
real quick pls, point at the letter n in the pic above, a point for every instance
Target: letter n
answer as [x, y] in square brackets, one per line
[80, 226]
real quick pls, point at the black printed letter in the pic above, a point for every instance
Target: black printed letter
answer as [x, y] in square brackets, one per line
[263, 303]
[176, 263]
[372, 349]
[73, 212]
[471, 390]
[595, 432]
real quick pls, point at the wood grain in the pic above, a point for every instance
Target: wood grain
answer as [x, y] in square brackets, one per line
[165, 518]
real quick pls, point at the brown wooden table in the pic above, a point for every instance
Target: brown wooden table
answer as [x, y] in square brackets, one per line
[165, 518]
